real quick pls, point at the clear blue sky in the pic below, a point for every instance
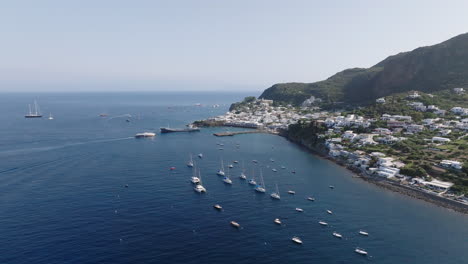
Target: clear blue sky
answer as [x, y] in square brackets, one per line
[68, 45]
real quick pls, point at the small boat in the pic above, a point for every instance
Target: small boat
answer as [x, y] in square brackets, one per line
[277, 221]
[323, 223]
[103, 115]
[220, 149]
[126, 185]
[260, 187]
[200, 155]
[236, 161]
[190, 162]
[227, 179]
[331, 187]
[145, 135]
[218, 207]
[34, 113]
[195, 180]
[221, 170]
[360, 251]
[291, 192]
[276, 194]
[272, 160]
[243, 176]
[296, 240]
[364, 233]
[311, 198]
[338, 235]
[299, 209]
[172, 168]
[50, 116]
[293, 171]
[274, 170]
[329, 212]
[231, 166]
[254, 161]
[283, 167]
[199, 187]
[235, 224]
[252, 182]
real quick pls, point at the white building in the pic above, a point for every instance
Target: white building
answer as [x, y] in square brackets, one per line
[380, 100]
[459, 90]
[440, 140]
[451, 164]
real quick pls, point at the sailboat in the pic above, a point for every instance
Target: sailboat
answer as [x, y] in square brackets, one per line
[226, 179]
[34, 112]
[252, 181]
[50, 116]
[194, 179]
[276, 194]
[260, 188]
[190, 162]
[242, 175]
[199, 187]
[221, 170]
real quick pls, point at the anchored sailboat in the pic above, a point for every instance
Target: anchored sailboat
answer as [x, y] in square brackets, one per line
[34, 112]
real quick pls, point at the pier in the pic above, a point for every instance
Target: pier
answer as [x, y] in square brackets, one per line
[230, 134]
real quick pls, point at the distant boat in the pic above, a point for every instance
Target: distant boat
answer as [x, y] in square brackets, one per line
[252, 181]
[364, 233]
[311, 198]
[329, 212]
[274, 170]
[34, 112]
[103, 115]
[331, 187]
[300, 210]
[227, 179]
[194, 179]
[218, 207]
[231, 166]
[338, 235]
[283, 167]
[221, 169]
[190, 162]
[291, 192]
[296, 240]
[260, 187]
[323, 223]
[199, 187]
[277, 221]
[235, 224]
[293, 171]
[145, 135]
[254, 161]
[272, 160]
[360, 251]
[50, 116]
[235, 161]
[200, 155]
[172, 130]
[276, 194]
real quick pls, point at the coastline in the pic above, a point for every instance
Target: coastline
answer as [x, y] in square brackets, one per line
[382, 183]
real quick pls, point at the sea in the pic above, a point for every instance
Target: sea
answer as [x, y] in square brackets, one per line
[81, 189]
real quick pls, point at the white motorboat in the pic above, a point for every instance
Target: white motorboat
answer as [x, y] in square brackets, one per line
[329, 212]
[218, 207]
[243, 176]
[311, 198]
[235, 224]
[364, 233]
[360, 251]
[195, 180]
[291, 192]
[231, 166]
[299, 209]
[200, 155]
[338, 235]
[274, 170]
[323, 223]
[145, 135]
[283, 167]
[252, 182]
[199, 188]
[296, 240]
[331, 187]
[235, 161]
[277, 221]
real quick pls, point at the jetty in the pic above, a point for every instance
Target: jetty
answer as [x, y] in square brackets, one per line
[233, 133]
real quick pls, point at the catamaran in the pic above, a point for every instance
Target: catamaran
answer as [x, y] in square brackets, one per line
[190, 162]
[221, 170]
[34, 112]
[276, 195]
[260, 187]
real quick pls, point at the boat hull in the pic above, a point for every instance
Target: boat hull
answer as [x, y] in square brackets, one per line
[173, 130]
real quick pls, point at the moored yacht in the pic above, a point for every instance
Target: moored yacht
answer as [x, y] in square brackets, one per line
[291, 192]
[145, 135]
[277, 221]
[190, 162]
[227, 179]
[221, 169]
[274, 170]
[50, 116]
[218, 207]
[231, 166]
[296, 240]
[329, 212]
[200, 155]
[276, 195]
[235, 224]
[199, 187]
[299, 209]
[260, 187]
[360, 251]
[338, 235]
[364, 233]
[311, 198]
[323, 223]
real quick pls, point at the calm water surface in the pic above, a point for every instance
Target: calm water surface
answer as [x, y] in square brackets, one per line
[63, 200]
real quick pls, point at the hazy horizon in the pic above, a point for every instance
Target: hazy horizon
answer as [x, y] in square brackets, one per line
[205, 45]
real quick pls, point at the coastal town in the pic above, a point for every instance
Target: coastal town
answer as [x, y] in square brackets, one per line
[422, 150]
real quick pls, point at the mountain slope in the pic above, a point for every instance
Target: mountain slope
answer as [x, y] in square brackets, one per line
[426, 69]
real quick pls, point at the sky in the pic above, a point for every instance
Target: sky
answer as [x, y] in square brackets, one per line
[113, 45]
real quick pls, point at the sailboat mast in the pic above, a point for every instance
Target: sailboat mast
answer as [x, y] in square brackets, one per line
[29, 105]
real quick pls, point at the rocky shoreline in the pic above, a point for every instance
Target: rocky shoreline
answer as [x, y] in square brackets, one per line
[388, 185]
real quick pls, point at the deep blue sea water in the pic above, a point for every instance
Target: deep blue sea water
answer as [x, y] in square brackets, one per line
[63, 200]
